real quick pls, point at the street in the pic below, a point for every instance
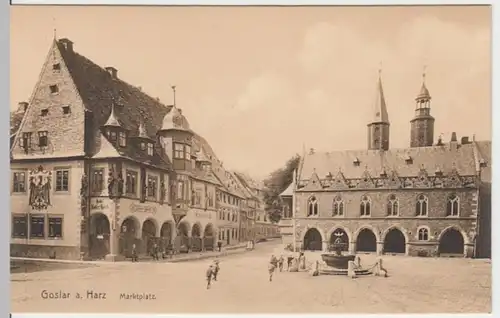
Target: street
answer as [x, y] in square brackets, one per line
[414, 285]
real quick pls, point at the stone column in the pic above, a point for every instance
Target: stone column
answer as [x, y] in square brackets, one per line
[113, 255]
[114, 232]
[469, 250]
[352, 247]
[324, 246]
[380, 248]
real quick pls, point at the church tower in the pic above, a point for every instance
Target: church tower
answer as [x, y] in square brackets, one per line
[422, 125]
[378, 128]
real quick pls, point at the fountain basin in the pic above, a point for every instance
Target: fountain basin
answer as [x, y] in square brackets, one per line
[337, 261]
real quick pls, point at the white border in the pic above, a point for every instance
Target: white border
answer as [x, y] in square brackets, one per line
[245, 3]
[4, 94]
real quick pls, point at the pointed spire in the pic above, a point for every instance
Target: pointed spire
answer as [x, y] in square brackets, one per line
[380, 108]
[142, 131]
[112, 120]
[424, 92]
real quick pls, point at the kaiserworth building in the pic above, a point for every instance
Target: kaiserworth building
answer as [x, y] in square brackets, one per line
[425, 200]
[98, 166]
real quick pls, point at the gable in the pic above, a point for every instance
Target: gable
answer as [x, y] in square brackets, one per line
[54, 90]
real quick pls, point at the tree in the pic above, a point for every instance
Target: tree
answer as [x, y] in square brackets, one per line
[277, 182]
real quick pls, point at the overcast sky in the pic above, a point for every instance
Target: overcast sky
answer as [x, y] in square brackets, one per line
[259, 82]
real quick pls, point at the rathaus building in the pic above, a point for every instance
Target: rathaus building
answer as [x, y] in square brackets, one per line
[432, 198]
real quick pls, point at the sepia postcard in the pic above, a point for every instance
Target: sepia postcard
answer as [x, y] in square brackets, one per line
[307, 159]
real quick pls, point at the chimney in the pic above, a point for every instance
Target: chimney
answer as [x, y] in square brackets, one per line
[67, 44]
[180, 110]
[453, 142]
[464, 140]
[23, 106]
[311, 151]
[112, 71]
[453, 137]
[440, 141]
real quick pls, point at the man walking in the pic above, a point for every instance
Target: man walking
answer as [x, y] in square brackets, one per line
[209, 274]
[215, 269]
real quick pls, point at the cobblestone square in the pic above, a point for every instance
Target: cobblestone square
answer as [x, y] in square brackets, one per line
[415, 285]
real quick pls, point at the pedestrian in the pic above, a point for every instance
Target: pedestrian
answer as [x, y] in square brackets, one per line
[280, 263]
[289, 259]
[154, 252]
[134, 253]
[215, 269]
[209, 274]
[302, 261]
[273, 263]
[219, 245]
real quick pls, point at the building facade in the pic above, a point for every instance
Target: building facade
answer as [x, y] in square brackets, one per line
[425, 200]
[98, 166]
[263, 228]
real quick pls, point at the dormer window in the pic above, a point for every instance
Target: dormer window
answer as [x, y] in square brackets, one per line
[44, 112]
[356, 162]
[150, 149]
[56, 66]
[122, 139]
[482, 163]
[54, 89]
[408, 160]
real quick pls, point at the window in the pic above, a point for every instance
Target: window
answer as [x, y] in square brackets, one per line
[452, 206]
[365, 206]
[312, 206]
[112, 135]
[178, 151]
[422, 203]
[26, 140]
[188, 152]
[197, 198]
[66, 110]
[150, 149]
[54, 89]
[180, 190]
[131, 183]
[143, 146]
[210, 199]
[392, 206]
[44, 112]
[37, 226]
[55, 226]
[98, 180]
[122, 139]
[62, 180]
[56, 66]
[423, 234]
[152, 186]
[42, 139]
[19, 182]
[338, 206]
[286, 212]
[19, 226]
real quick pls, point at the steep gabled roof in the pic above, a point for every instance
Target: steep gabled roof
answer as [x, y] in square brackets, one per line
[100, 89]
[406, 162]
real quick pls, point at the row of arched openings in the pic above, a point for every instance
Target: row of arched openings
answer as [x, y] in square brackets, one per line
[451, 241]
[392, 206]
[100, 231]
